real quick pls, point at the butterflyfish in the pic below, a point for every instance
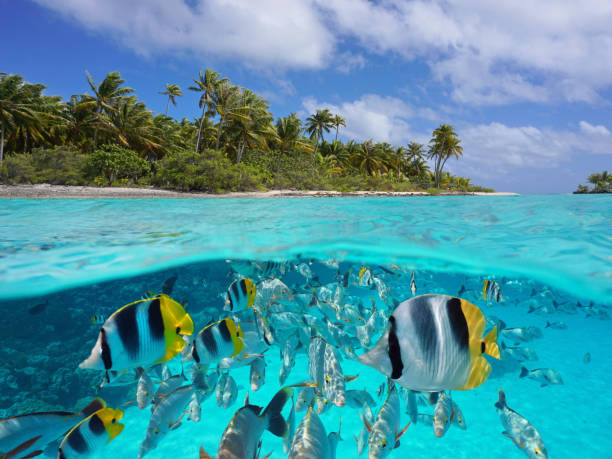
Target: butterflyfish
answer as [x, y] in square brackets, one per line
[434, 343]
[217, 341]
[141, 333]
[240, 295]
[91, 434]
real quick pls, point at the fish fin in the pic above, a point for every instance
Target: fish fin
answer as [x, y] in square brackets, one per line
[484, 290]
[95, 405]
[38, 452]
[114, 430]
[350, 378]
[475, 322]
[276, 423]
[489, 344]
[402, 432]
[524, 372]
[23, 446]
[204, 454]
[304, 384]
[501, 402]
[366, 423]
[481, 369]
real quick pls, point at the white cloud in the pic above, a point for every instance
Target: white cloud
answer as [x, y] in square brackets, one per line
[287, 34]
[498, 149]
[492, 52]
[383, 119]
[348, 62]
[590, 129]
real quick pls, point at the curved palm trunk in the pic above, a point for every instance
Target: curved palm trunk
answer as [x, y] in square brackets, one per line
[278, 164]
[200, 130]
[337, 126]
[168, 106]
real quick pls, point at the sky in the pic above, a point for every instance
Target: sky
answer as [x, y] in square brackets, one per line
[526, 85]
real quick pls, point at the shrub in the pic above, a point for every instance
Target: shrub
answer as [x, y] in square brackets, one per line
[58, 166]
[112, 162]
[209, 171]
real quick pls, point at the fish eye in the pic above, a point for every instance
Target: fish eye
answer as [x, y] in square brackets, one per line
[178, 330]
[537, 451]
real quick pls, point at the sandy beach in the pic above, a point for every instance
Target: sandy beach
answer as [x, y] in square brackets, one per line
[46, 191]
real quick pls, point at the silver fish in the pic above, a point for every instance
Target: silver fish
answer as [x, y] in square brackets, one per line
[144, 391]
[304, 398]
[520, 353]
[443, 415]
[556, 325]
[311, 441]
[166, 416]
[195, 409]
[258, 373]
[334, 388]
[413, 287]
[544, 376]
[520, 430]
[522, 334]
[362, 438]
[288, 439]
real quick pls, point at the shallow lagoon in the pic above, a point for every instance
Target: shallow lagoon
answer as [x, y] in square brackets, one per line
[89, 257]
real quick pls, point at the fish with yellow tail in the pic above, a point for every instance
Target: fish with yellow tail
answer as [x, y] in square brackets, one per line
[385, 432]
[141, 333]
[27, 435]
[242, 435]
[240, 295]
[91, 434]
[519, 430]
[434, 343]
[491, 291]
[217, 341]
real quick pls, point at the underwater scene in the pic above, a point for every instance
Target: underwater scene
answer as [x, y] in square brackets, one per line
[473, 327]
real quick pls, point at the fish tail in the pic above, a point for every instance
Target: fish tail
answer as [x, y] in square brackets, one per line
[489, 344]
[484, 290]
[276, 423]
[501, 402]
[524, 372]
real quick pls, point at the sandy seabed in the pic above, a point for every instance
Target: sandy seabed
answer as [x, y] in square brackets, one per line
[46, 191]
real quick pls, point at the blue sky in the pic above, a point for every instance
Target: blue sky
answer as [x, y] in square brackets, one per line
[528, 91]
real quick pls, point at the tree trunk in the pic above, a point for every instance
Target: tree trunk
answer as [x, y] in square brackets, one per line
[168, 106]
[95, 138]
[337, 132]
[219, 134]
[241, 147]
[280, 155]
[2, 143]
[200, 130]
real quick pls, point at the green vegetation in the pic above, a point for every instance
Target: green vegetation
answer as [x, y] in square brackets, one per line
[108, 137]
[602, 184]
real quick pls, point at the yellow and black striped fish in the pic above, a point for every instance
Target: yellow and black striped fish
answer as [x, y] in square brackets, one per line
[91, 434]
[140, 334]
[491, 291]
[435, 343]
[240, 295]
[217, 341]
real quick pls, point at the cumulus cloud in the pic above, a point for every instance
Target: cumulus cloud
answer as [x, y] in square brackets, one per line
[348, 62]
[287, 34]
[503, 150]
[383, 119]
[492, 53]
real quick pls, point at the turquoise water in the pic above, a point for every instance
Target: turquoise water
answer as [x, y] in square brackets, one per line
[77, 258]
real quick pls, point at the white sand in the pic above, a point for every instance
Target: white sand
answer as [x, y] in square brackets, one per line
[45, 191]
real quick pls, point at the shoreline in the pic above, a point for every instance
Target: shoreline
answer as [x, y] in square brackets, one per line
[46, 191]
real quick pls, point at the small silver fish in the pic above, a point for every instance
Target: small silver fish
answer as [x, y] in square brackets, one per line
[144, 391]
[304, 398]
[258, 373]
[413, 287]
[520, 353]
[362, 438]
[544, 376]
[519, 430]
[587, 357]
[195, 409]
[443, 415]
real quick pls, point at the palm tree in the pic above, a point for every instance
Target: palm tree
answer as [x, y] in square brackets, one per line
[226, 102]
[369, 159]
[172, 91]
[106, 94]
[15, 110]
[133, 126]
[288, 131]
[338, 121]
[206, 84]
[443, 144]
[318, 123]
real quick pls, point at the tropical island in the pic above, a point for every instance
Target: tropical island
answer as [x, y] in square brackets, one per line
[602, 184]
[110, 139]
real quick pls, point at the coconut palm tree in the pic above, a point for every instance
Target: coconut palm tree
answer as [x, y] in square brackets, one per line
[370, 159]
[132, 125]
[172, 91]
[338, 121]
[206, 83]
[106, 94]
[226, 103]
[443, 145]
[15, 109]
[288, 131]
[318, 123]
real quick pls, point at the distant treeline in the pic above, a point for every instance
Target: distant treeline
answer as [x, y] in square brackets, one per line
[109, 137]
[602, 183]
